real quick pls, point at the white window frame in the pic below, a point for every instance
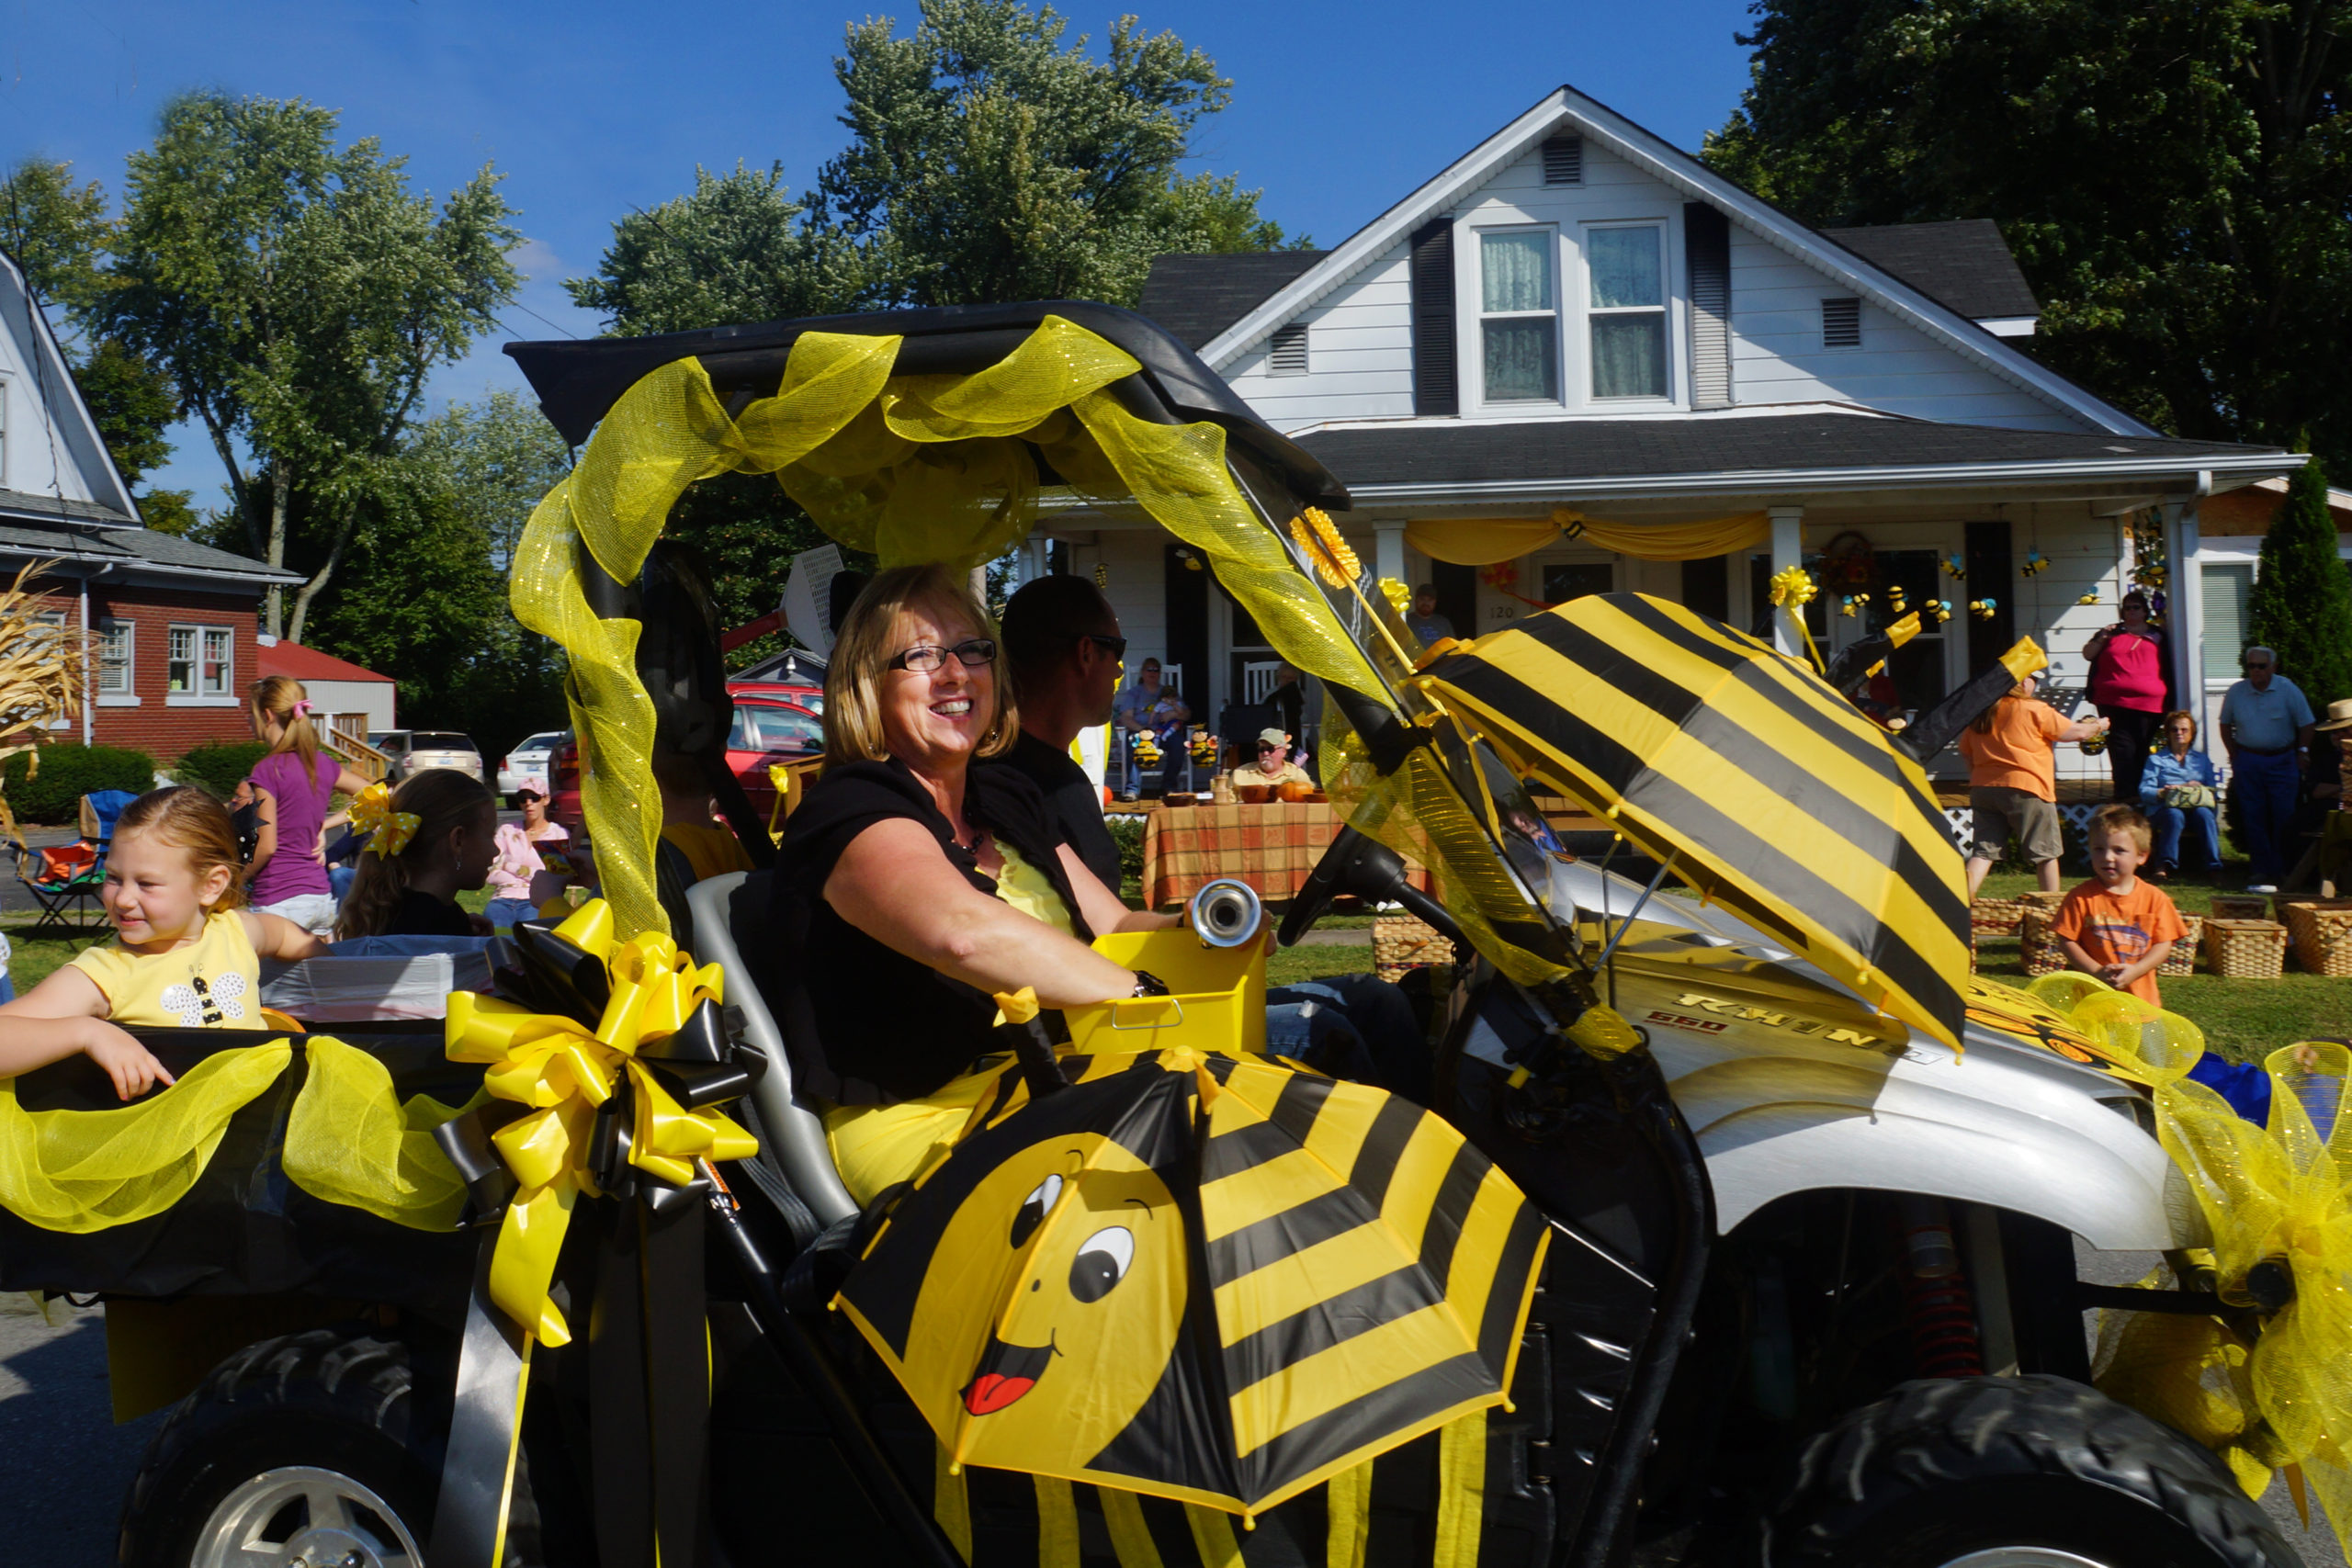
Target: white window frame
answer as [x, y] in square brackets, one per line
[226, 697]
[1662, 310]
[1480, 315]
[55, 618]
[127, 694]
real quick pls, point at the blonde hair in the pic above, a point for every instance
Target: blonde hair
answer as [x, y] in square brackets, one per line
[277, 696]
[863, 652]
[193, 823]
[2124, 820]
[1983, 724]
[442, 800]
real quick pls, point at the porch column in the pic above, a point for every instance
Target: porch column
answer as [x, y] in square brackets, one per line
[1388, 552]
[1787, 550]
[2184, 604]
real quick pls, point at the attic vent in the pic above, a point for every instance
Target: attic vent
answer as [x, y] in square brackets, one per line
[1841, 324]
[1287, 356]
[1564, 161]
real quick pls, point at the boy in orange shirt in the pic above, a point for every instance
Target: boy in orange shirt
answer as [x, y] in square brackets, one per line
[2116, 926]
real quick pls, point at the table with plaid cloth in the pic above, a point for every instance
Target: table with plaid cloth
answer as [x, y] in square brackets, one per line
[1271, 846]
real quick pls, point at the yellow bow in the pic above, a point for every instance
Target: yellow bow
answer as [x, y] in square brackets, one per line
[388, 831]
[564, 1073]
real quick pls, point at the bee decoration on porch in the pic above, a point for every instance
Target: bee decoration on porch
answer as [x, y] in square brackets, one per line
[2090, 598]
[1939, 608]
[1955, 568]
[1983, 608]
[2035, 564]
[1851, 604]
[1101, 575]
[1896, 600]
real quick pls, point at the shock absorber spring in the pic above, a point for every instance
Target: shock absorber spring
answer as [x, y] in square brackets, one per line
[1937, 1304]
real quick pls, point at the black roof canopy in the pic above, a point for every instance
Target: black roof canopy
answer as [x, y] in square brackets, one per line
[579, 381]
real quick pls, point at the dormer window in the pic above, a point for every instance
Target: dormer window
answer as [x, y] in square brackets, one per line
[1626, 267]
[1518, 324]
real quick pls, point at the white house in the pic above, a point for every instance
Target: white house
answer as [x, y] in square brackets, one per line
[1578, 360]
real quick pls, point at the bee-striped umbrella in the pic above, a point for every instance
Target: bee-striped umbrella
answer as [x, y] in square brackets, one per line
[1776, 797]
[1215, 1280]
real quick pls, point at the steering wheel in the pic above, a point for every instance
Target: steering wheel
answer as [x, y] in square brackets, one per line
[1368, 870]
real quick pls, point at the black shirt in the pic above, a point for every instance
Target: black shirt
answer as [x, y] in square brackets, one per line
[421, 914]
[864, 1023]
[1071, 797]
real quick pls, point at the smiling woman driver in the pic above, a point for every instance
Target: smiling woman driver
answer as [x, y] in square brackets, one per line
[919, 878]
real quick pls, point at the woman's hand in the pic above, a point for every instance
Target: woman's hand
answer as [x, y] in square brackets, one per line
[131, 1066]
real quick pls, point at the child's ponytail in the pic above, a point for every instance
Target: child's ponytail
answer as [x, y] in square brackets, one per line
[284, 699]
[442, 800]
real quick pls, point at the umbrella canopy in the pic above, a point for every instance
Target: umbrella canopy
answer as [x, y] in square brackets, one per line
[1214, 1280]
[1777, 798]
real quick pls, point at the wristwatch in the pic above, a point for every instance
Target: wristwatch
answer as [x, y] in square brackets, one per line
[1148, 985]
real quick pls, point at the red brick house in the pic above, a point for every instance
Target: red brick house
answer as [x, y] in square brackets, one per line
[173, 622]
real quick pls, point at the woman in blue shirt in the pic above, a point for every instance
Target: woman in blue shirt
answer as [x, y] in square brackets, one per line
[2177, 790]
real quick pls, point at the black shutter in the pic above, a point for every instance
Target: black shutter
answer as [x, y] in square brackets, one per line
[1706, 586]
[1457, 595]
[1989, 573]
[1706, 249]
[1186, 604]
[1436, 385]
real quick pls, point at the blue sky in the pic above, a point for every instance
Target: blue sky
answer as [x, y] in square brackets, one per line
[591, 108]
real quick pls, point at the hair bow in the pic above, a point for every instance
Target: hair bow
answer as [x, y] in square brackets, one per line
[388, 831]
[302, 707]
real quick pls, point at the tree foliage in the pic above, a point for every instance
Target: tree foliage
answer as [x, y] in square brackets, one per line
[2173, 178]
[298, 293]
[2302, 605]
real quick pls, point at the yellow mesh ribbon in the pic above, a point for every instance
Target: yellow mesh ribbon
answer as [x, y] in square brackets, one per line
[951, 1504]
[1483, 541]
[79, 1171]
[2280, 1195]
[349, 1141]
[1057, 1522]
[1348, 1509]
[1130, 1536]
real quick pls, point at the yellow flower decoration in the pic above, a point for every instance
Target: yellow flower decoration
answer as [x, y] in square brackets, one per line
[1315, 534]
[1791, 586]
[1396, 593]
[388, 831]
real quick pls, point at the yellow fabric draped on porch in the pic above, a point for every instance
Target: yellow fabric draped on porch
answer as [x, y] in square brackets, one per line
[1482, 541]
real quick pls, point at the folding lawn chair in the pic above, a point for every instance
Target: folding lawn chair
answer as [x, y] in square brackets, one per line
[65, 879]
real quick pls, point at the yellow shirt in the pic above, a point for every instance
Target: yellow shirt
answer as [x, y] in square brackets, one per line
[212, 983]
[1028, 889]
[1289, 772]
[711, 850]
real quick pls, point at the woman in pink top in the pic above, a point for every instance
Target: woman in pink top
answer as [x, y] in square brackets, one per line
[2128, 685]
[295, 785]
[522, 864]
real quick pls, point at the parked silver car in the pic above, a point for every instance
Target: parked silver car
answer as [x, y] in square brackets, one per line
[527, 763]
[412, 751]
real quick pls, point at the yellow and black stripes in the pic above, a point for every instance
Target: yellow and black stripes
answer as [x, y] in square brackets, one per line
[1783, 802]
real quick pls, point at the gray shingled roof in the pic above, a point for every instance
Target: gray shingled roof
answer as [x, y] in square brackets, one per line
[1479, 452]
[1965, 266]
[16, 504]
[132, 547]
[1197, 297]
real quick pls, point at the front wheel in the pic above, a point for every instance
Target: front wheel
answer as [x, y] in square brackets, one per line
[2015, 1473]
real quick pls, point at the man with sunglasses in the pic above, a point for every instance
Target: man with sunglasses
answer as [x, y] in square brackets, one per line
[2266, 724]
[1064, 646]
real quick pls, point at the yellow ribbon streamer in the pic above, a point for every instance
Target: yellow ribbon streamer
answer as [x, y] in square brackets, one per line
[563, 1073]
[388, 831]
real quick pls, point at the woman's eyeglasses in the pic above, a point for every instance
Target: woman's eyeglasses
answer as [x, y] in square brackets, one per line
[924, 658]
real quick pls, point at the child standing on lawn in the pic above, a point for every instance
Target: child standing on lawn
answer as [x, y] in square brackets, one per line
[2013, 782]
[2117, 926]
[183, 955]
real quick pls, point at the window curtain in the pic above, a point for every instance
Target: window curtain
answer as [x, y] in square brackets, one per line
[1482, 541]
[1519, 359]
[1516, 270]
[1623, 264]
[1629, 356]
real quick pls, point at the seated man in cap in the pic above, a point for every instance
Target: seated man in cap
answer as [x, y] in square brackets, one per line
[1273, 765]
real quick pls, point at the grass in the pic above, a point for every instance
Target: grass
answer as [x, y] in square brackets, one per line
[2243, 1019]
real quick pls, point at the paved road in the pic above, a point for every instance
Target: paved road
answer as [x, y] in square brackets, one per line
[67, 1465]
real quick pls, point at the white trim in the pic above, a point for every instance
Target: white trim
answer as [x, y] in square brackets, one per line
[1569, 110]
[56, 372]
[119, 700]
[181, 700]
[2009, 326]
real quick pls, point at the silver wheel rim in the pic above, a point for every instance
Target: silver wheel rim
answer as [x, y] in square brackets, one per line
[298, 1517]
[2022, 1557]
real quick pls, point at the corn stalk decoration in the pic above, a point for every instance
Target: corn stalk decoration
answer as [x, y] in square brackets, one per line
[43, 663]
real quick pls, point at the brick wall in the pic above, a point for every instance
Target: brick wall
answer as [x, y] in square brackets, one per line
[157, 725]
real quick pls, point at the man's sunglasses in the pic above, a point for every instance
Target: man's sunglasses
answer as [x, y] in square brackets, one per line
[1116, 647]
[1270, 746]
[924, 658]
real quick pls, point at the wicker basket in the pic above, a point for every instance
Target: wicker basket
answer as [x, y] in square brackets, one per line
[2239, 907]
[1995, 917]
[2039, 951]
[2246, 950]
[1401, 942]
[2182, 959]
[2321, 930]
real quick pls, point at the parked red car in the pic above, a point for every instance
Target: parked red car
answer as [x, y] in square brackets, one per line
[764, 733]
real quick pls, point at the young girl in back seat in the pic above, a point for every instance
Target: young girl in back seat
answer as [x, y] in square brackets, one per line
[433, 838]
[183, 955]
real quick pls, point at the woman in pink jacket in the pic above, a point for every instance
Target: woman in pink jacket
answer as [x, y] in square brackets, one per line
[2128, 685]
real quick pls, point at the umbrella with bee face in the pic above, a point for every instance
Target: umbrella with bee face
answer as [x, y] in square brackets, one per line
[1215, 1280]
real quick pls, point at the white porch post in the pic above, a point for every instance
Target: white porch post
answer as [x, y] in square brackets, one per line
[1787, 550]
[1033, 558]
[89, 670]
[2184, 604]
[1388, 552]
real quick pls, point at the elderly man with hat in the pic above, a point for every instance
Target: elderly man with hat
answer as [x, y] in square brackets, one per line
[1273, 765]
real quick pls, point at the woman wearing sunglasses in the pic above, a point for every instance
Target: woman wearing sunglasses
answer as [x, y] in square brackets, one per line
[920, 876]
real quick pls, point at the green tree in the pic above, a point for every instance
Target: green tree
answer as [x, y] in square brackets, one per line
[2302, 597]
[988, 164]
[299, 295]
[2173, 178]
[132, 404]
